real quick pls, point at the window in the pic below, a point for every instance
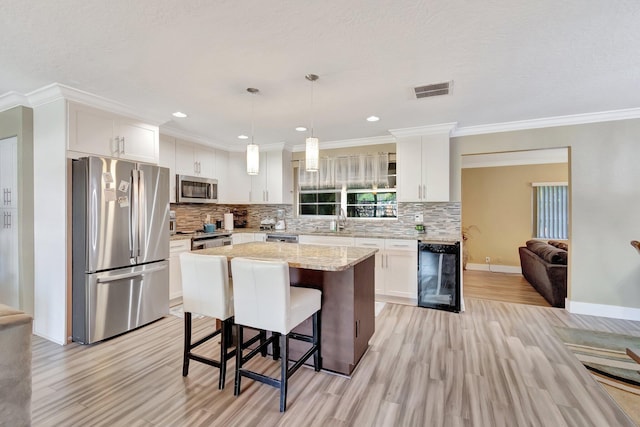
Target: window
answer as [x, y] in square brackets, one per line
[362, 186]
[319, 202]
[372, 204]
[550, 210]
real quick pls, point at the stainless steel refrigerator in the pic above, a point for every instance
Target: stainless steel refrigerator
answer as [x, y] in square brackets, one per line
[120, 268]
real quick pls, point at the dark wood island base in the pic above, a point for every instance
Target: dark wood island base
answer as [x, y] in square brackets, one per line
[348, 313]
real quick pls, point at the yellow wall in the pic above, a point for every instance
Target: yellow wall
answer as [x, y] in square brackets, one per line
[497, 208]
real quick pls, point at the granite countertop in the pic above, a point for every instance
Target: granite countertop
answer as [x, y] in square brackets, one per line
[313, 257]
[410, 235]
[424, 237]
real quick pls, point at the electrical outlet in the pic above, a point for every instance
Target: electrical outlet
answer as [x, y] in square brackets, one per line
[418, 218]
[487, 259]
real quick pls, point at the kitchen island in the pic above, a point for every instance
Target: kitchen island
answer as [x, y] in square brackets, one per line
[345, 275]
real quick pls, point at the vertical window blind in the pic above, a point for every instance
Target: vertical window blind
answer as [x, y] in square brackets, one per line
[551, 211]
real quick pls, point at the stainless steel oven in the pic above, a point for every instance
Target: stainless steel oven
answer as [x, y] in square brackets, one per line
[195, 189]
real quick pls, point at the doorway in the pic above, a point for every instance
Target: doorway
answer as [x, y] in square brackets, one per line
[498, 216]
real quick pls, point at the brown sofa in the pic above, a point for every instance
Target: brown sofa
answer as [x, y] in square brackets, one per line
[15, 367]
[544, 265]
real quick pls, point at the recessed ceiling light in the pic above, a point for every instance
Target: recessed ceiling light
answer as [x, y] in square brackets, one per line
[179, 115]
[301, 129]
[373, 118]
[243, 137]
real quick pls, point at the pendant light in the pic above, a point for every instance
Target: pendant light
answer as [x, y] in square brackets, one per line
[253, 152]
[312, 154]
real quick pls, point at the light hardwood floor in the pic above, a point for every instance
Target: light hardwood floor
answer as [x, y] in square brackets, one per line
[497, 364]
[501, 287]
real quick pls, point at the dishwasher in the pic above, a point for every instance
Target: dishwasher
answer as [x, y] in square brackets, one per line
[281, 237]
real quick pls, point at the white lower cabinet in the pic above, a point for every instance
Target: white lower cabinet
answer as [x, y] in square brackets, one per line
[176, 247]
[396, 266]
[239, 237]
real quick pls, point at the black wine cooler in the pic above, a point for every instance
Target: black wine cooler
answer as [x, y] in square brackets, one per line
[439, 275]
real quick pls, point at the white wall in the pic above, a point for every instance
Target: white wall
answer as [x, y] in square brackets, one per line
[604, 270]
[50, 221]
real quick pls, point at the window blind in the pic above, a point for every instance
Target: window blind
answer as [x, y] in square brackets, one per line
[551, 211]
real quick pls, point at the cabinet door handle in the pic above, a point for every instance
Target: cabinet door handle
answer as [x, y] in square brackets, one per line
[357, 328]
[122, 144]
[8, 196]
[419, 191]
[267, 195]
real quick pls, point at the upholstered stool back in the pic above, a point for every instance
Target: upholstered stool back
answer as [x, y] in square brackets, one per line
[206, 287]
[261, 294]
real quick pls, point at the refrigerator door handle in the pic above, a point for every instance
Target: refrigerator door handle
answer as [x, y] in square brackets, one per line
[115, 277]
[133, 219]
[141, 201]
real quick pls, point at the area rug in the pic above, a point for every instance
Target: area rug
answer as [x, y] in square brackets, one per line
[604, 355]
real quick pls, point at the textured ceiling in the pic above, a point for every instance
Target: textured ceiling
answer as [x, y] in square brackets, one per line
[509, 60]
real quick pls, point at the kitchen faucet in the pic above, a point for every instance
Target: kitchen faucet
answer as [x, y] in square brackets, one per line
[341, 220]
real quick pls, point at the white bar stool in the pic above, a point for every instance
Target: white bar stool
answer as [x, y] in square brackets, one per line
[264, 299]
[206, 290]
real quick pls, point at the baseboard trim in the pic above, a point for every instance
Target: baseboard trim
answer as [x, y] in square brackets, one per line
[603, 310]
[495, 268]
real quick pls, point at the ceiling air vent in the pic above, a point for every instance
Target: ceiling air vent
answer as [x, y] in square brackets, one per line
[432, 90]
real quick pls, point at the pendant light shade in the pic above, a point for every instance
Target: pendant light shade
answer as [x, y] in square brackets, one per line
[312, 155]
[253, 151]
[312, 152]
[253, 159]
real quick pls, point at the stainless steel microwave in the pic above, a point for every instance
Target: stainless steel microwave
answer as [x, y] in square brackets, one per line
[195, 189]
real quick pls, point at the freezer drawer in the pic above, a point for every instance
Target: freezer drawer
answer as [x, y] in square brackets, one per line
[117, 301]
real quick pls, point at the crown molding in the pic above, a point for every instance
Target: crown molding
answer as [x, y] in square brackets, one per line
[439, 129]
[573, 119]
[191, 137]
[276, 146]
[56, 91]
[345, 143]
[13, 99]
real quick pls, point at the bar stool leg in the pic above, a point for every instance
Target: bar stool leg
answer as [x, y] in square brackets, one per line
[284, 367]
[317, 355]
[275, 346]
[236, 388]
[224, 332]
[263, 339]
[187, 343]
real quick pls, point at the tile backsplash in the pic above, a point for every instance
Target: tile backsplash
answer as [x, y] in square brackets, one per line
[440, 219]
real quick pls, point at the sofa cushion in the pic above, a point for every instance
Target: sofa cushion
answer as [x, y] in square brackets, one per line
[547, 252]
[559, 245]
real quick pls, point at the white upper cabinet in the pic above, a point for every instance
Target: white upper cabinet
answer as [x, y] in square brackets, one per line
[97, 132]
[222, 168]
[195, 160]
[238, 187]
[274, 183]
[9, 173]
[423, 168]
[168, 160]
